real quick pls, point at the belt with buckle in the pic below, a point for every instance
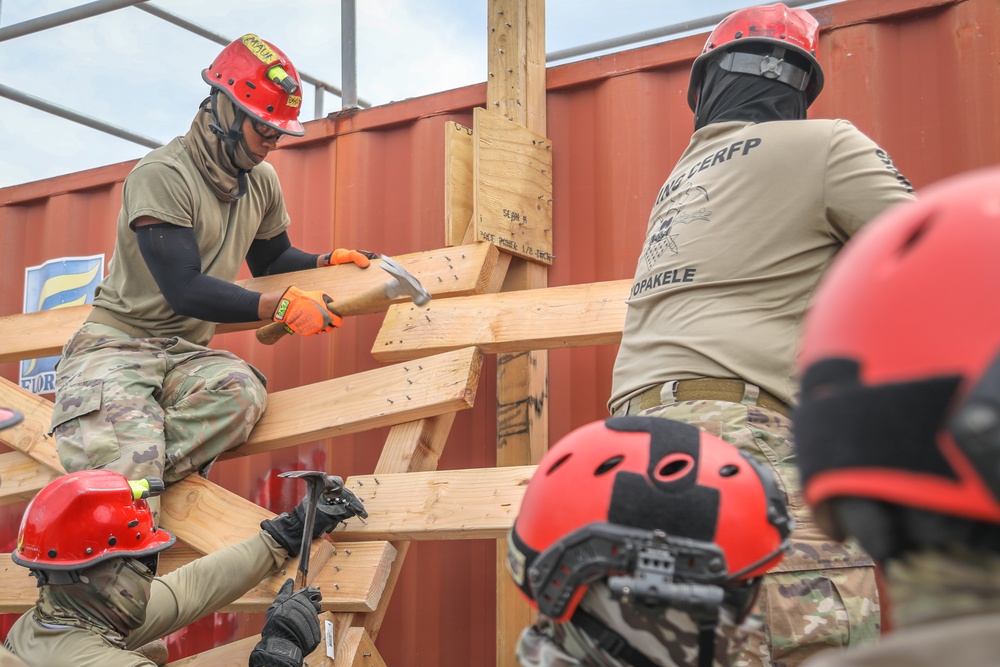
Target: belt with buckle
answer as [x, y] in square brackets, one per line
[704, 389]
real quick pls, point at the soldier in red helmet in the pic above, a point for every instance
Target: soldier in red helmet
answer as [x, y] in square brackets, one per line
[137, 389]
[898, 426]
[90, 541]
[739, 235]
[642, 542]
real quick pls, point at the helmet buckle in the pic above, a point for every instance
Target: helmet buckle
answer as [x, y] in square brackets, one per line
[770, 67]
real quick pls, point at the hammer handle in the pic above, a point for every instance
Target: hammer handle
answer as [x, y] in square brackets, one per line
[365, 302]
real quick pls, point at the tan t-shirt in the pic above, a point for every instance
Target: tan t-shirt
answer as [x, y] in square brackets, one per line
[738, 238]
[167, 186]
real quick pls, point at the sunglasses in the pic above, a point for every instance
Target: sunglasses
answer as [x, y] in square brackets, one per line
[264, 132]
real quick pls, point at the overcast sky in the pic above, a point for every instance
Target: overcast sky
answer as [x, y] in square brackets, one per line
[136, 71]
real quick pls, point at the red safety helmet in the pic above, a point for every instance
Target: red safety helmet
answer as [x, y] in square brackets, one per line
[86, 517]
[614, 496]
[776, 24]
[900, 361]
[260, 79]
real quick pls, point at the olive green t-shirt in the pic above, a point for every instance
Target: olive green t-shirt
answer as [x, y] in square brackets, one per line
[738, 239]
[167, 186]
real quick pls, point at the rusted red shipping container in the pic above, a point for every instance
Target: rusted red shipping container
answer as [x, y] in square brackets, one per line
[922, 77]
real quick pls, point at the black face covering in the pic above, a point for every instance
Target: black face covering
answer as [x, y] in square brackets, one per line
[727, 96]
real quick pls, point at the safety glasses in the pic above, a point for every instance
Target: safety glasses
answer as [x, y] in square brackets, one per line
[264, 132]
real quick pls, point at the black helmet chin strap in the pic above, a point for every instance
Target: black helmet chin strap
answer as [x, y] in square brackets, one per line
[230, 138]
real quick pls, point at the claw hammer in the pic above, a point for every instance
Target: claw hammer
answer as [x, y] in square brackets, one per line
[319, 483]
[402, 284]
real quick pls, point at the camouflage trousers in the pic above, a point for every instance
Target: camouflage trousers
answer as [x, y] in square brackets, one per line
[150, 407]
[823, 594]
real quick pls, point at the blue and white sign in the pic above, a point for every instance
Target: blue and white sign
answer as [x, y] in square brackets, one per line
[58, 283]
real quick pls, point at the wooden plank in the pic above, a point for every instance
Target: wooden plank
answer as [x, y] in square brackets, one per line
[513, 187]
[30, 437]
[438, 505]
[409, 448]
[355, 648]
[507, 323]
[233, 654]
[516, 88]
[202, 514]
[207, 517]
[354, 585]
[381, 397]
[363, 401]
[460, 271]
[21, 477]
[348, 587]
[458, 182]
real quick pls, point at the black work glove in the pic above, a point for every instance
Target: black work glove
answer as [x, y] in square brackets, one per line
[286, 528]
[291, 628]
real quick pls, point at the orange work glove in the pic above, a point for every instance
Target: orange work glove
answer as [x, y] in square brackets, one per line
[306, 313]
[342, 256]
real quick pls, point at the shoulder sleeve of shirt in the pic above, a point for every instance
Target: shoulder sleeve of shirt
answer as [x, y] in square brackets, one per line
[274, 218]
[159, 191]
[861, 180]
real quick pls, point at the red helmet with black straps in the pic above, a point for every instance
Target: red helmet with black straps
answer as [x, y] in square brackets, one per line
[260, 79]
[86, 517]
[900, 361]
[777, 25]
[614, 496]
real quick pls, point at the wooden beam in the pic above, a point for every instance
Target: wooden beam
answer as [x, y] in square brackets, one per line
[458, 182]
[438, 505]
[512, 195]
[460, 271]
[354, 585]
[377, 398]
[346, 587]
[21, 477]
[200, 513]
[409, 448]
[507, 323]
[233, 654]
[207, 517]
[516, 89]
[363, 401]
[356, 648]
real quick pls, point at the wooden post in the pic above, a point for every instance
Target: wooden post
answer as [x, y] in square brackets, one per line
[516, 90]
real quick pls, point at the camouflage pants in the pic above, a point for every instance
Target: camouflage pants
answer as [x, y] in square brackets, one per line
[823, 594]
[150, 407]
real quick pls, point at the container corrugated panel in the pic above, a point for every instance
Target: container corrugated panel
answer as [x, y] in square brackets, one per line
[920, 77]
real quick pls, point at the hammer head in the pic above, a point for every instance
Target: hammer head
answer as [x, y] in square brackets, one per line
[327, 484]
[404, 284]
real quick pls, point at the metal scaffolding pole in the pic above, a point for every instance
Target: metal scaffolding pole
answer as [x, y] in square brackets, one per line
[180, 22]
[64, 17]
[656, 33]
[349, 53]
[68, 114]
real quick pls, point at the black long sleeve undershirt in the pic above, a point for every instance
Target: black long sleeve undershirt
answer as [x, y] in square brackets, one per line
[276, 255]
[171, 253]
